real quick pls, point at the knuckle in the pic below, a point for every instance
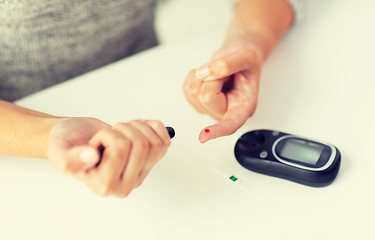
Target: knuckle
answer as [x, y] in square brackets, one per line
[142, 144]
[121, 147]
[124, 193]
[119, 125]
[132, 122]
[123, 144]
[190, 90]
[107, 184]
[127, 187]
[205, 97]
[222, 66]
[120, 155]
[157, 144]
[156, 124]
[104, 189]
[194, 92]
[105, 132]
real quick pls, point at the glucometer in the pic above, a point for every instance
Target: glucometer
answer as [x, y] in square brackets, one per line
[287, 156]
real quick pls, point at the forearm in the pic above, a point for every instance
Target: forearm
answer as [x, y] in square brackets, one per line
[263, 22]
[24, 132]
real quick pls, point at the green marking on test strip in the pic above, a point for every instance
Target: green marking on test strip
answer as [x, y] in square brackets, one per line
[233, 178]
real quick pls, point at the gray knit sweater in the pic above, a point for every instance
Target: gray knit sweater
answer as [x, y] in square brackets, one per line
[44, 42]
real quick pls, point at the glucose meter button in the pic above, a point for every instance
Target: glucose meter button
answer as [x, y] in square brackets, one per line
[263, 154]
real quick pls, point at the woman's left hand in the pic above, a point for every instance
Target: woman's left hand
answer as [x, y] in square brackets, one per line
[226, 88]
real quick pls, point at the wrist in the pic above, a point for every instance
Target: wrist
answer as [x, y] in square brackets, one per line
[31, 140]
[24, 132]
[249, 38]
[42, 132]
[260, 22]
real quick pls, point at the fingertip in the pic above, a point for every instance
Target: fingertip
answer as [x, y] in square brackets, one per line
[202, 139]
[206, 135]
[214, 131]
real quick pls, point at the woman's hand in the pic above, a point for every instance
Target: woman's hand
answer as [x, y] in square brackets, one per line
[226, 88]
[130, 151]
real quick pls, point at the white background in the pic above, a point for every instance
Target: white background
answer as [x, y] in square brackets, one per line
[318, 83]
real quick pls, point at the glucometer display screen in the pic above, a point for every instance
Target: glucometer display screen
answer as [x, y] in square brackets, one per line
[301, 151]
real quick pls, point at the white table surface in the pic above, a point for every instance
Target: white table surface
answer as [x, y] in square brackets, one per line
[318, 83]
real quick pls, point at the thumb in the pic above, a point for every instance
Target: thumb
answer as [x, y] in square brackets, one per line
[80, 158]
[238, 60]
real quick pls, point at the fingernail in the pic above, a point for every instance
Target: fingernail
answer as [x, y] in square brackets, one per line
[203, 72]
[88, 156]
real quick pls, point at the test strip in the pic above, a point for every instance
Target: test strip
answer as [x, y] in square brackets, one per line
[230, 177]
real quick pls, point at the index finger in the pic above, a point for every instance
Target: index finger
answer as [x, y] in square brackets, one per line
[232, 121]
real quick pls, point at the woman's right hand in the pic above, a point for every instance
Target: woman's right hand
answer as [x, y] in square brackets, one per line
[130, 151]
